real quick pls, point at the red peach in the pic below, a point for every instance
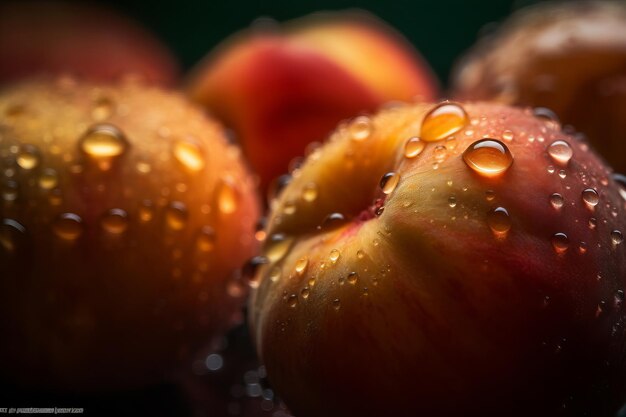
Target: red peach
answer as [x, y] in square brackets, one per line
[455, 261]
[85, 40]
[282, 90]
[124, 216]
[569, 57]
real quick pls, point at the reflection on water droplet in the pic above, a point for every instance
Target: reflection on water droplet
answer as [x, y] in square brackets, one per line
[115, 221]
[413, 147]
[277, 246]
[189, 154]
[353, 277]
[488, 157]
[590, 197]
[452, 201]
[334, 255]
[499, 221]
[560, 152]
[68, 226]
[507, 135]
[560, 242]
[557, 200]
[301, 265]
[389, 181]
[360, 128]
[616, 237]
[442, 121]
[309, 192]
[103, 141]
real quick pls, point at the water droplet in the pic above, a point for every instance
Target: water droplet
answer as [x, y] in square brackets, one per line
[557, 200]
[176, 215]
[560, 152]
[28, 157]
[68, 226]
[353, 277]
[146, 211]
[545, 114]
[103, 108]
[560, 242]
[360, 128]
[115, 221]
[452, 201]
[309, 192]
[10, 191]
[103, 141]
[488, 157]
[616, 237]
[336, 304]
[490, 195]
[227, 195]
[331, 221]
[621, 184]
[590, 197]
[507, 135]
[189, 154]
[562, 174]
[292, 300]
[618, 299]
[389, 181]
[499, 221]
[275, 274]
[12, 234]
[550, 169]
[48, 179]
[593, 223]
[440, 153]
[582, 247]
[334, 255]
[205, 240]
[444, 120]
[143, 167]
[305, 292]
[413, 147]
[360, 254]
[301, 265]
[277, 246]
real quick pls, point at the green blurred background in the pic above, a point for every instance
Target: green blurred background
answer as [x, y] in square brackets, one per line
[440, 29]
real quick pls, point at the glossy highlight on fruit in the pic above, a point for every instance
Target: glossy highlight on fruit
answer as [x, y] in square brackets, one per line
[455, 284]
[120, 233]
[282, 89]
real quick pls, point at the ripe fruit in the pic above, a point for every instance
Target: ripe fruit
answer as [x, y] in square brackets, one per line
[569, 57]
[282, 90]
[86, 40]
[123, 215]
[458, 260]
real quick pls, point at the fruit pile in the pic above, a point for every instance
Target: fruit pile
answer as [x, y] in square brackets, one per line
[388, 252]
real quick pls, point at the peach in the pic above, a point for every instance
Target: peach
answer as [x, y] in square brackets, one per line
[282, 90]
[452, 260]
[85, 40]
[124, 217]
[569, 57]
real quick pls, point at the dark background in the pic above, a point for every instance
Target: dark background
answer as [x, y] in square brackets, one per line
[440, 29]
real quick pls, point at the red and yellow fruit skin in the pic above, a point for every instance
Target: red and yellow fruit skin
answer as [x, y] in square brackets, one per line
[282, 90]
[107, 310]
[569, 57]
[444, 318]
[86, 40]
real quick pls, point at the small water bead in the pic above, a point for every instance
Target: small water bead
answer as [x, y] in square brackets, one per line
[305, 292]
[103, 141]
[582, 247]
[621, 184]
[275, 274]
[560, 242]
[389, 182]
[562, 174]
[277, 247]
[334, 255]
[48, 179]
[289, 207]
[546, 115]
[205, 239]
[227, 195]
[176, 215]
[189, 154]
[301, 265]
[360, 254]
[617, 237]
[560, 152]
[440, 153]
[146, 211]
[507, 135]
[488, 157]
[452, 201]
[12, 234]
[550, 169]
[68, 226]
[590, 197]
[413, 147]
[353, 277]
[10, 191]
[309, 192]
[557, 200]
[115, 221]
[444, 120]
[490, 195]
[499, 221]
[618, 299]
[143, 167]
[593, 223]
[28, 157]
[103, 108]
[360, 128]
[292, 300]
[336, 304]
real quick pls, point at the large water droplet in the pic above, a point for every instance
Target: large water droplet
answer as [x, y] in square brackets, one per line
[115, 221]
[560, 152]
[557, 200]
[444, 120]
[189, 154]
[277, 246]
[413, 147]
[560, 242]
[389, 181]
[488, 157]
[103, 141]
[68, 226]
[590, 197]
[499, 221]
